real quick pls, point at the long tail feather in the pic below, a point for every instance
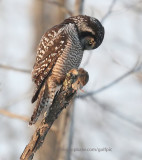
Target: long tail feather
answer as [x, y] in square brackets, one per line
[39, 107]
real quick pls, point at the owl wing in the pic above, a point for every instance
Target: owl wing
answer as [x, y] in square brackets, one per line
[52, 45]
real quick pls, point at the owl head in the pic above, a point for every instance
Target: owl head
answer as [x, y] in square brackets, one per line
[90, 31]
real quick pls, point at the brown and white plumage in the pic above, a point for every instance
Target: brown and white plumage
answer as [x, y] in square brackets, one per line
[60, 50]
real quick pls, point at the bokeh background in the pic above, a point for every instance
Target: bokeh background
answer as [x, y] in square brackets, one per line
[107, 114]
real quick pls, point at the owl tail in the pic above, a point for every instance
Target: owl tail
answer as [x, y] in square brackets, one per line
[44, 101]
[39, 107]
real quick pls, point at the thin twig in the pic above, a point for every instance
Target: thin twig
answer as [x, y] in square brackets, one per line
[14, 69]
[13, 115]
[117, 113]
[133, 70]
[109, 11]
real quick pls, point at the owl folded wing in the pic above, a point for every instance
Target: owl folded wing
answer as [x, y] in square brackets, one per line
[52, 45]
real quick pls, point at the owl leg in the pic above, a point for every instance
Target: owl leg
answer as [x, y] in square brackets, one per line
[52, 89]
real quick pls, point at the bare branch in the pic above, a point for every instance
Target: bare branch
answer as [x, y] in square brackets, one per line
[136, 7]
[74, 80]
[12, 115]
[135, 69]
[117, 113]
[109, 11]
[14, 69]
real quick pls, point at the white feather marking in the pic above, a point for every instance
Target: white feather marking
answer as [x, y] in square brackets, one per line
[50, 35]
[53, 54]
[56, 48]
[49, 60]
[54, 33]
[46, 39]
[39, 56]
[44, 65]
[62, 42]
[43, 51]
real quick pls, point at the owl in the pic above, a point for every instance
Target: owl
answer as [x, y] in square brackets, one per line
[60, 50]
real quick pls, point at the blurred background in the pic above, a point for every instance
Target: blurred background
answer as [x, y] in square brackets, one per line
[107, 114]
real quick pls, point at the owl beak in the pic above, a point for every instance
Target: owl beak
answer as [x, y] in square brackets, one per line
[94, 45]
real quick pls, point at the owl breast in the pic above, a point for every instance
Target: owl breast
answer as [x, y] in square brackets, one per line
[71, 58]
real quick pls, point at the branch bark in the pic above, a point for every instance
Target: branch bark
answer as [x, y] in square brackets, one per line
[75, 80]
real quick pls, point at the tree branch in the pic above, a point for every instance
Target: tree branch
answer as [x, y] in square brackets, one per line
[12, 115]
[14, 69]
[117, 113]
[74, 80]
[109, 11]
[136, 68]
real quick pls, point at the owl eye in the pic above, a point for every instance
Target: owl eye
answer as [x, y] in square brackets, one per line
[90, 42]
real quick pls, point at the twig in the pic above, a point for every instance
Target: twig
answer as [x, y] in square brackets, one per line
[133, 70]
[109, 11]
[12, 115]
[117, 113]
[14, 69]
[74, 79]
